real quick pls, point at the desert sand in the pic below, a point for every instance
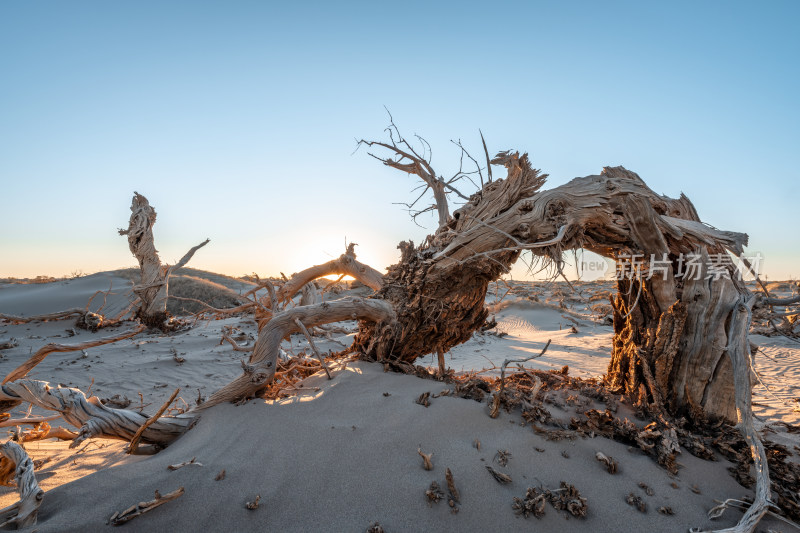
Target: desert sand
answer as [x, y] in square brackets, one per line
[341, 454]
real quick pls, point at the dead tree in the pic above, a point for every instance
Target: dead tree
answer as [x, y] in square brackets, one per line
[680, 343]
[153, 289]
[660, 351]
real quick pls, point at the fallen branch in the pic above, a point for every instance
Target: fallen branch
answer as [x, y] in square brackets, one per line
[22, 370]
[49, 316]
[144, 507]
[31, 421]
[193, 461]
[260, 371]
[208, 308]
[718, 511]
[45, 431]
[235, 345]
[92, 417]
[345, 264]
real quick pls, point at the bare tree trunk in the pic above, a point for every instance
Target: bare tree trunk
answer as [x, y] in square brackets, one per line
[153, 290]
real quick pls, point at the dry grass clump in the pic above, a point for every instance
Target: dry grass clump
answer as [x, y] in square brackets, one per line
[206, 291]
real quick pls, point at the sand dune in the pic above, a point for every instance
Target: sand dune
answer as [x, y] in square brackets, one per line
[323, 463]
[343, 454]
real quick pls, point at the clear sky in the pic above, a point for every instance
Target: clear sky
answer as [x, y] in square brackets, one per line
[238, 120]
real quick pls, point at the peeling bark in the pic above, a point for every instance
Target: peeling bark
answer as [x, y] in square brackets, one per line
[438, 288]
[153, 289]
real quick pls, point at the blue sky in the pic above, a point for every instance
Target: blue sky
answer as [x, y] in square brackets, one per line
[238, 120]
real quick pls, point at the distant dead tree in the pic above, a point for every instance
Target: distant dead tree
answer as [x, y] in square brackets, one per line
[153, 289]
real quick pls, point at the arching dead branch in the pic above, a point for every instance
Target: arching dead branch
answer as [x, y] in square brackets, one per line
[260, 369]
[344, 264]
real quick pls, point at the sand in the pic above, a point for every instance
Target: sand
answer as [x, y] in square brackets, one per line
[343, 454]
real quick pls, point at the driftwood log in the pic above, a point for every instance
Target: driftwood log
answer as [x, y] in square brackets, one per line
[153, 289]
[92, 417]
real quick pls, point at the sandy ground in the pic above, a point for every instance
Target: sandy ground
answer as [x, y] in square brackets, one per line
[344, 454]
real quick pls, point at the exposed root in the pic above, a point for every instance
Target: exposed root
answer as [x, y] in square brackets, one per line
[24, 512]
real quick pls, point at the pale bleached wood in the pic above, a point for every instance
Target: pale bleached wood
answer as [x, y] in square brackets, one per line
[24, 512]
[673, 340]
[260, 370]
[92, 417]
[738, 350]
[208, 308]
[145, 507]
[344, 264]
[153, 289]
[309, 295]
[30, 421]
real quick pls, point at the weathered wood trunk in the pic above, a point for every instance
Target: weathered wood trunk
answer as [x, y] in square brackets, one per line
[676, 357]
[153, 289]
[670, 334]
[439, 300]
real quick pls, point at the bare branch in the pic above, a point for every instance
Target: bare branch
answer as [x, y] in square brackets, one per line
[345, 264]
[22, 370]
[186, 258]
